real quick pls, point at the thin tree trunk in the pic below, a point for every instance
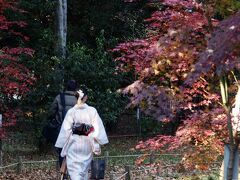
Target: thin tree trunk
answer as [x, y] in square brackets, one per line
[62, 28]
[234, 119]
[224, 94]
[232, 147]
[61, 47]
[65, 28]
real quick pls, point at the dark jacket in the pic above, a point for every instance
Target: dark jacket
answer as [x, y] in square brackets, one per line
[56, 108]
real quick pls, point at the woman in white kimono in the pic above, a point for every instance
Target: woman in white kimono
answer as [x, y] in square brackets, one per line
[79, 149]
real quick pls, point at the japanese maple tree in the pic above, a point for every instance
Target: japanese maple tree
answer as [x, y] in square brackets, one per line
[178, 33]
[15, 78]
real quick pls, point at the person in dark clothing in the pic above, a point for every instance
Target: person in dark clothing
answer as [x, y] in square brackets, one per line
[56, 109]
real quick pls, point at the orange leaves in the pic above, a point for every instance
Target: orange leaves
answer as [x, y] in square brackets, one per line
[141, 159]
[203, 137]
[199, 137]
[177, 35]
[159, 143]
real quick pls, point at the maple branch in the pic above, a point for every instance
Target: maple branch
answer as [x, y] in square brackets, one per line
[202, 78]
[223, 87]
[235, 78]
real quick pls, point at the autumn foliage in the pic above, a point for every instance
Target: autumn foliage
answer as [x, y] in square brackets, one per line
[15, 78]
[175, 65]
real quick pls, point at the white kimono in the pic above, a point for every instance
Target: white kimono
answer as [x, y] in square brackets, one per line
[79, 149]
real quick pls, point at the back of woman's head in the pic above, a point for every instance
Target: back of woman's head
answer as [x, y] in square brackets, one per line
[81, 92]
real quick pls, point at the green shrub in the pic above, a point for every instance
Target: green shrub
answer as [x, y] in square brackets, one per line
[96, 69]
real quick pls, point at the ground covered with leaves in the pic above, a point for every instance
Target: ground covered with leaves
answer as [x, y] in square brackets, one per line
[116, 172]
[36, 174]
[42, 165]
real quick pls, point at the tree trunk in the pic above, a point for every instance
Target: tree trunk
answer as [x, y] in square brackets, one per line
[230, 163]
[62, 28]
[233, 120]
[224, 94]
[224, 167]
[61, 45]
[232, 146]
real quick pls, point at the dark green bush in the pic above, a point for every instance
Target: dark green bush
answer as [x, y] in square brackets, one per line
[95, 69]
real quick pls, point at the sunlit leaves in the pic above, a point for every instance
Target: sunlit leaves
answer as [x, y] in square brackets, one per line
[178, 34]
[222, 52]
[200, 138]
[162, 61]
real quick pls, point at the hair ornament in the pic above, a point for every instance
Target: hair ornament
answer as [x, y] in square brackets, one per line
[81, 94]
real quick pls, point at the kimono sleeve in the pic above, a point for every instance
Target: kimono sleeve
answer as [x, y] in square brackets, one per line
[99, 133]
[66, 130]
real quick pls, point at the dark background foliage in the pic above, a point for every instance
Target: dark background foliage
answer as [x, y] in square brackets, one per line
[94, 27]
